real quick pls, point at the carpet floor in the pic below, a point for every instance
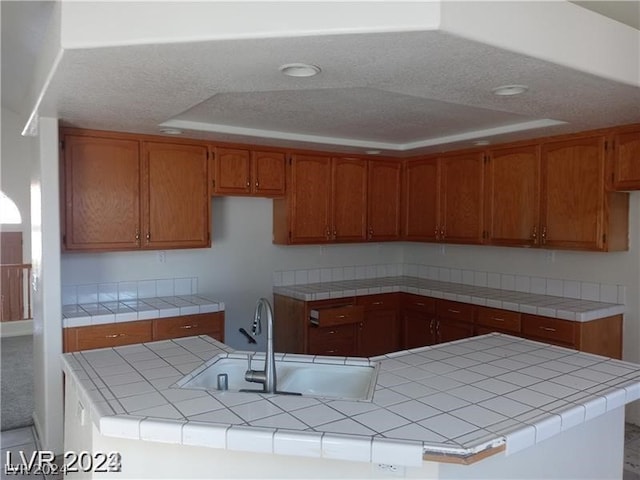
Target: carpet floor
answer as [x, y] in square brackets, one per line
[16, 394]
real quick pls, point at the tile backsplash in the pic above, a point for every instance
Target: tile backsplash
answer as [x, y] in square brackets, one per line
[119, 291]
[598, 292]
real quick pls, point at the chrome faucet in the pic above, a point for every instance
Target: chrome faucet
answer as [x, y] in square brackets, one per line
[266, 377]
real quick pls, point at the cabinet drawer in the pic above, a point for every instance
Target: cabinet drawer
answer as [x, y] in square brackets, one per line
[336, 340]
[381, 301]
[500, 319]
[111, 335]
[327, 317]
[419, 303]
[204, 324]
[462, 312]
[545, 328]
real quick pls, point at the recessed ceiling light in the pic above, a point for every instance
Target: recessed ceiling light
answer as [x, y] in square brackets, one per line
[481, 142]
[299, 70]
[171, 131]
[510, 90]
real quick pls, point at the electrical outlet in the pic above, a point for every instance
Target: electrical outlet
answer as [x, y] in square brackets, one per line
[389, 469]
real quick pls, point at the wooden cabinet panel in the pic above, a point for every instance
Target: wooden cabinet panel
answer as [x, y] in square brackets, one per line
[336, 340]
[232, 171]
[211, 324]
[626, 161]
[268, 173]
[513, 203]
[421, 199]
[462, 183]
[310, 215]
[418, 329]
[336, 315]
[573, 194]
[463, 312]
[107, 335]
[176, 201]
[448, 330]
[238, 171]
[551, 330]
[102, 193]
[498, 320]
[384, 199]
[378, 333]
[349, 200]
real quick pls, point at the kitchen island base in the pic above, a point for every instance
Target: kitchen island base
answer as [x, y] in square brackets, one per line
[591, 450]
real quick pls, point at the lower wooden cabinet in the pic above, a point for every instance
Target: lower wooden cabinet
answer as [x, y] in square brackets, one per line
[127, 333]
[392, 322]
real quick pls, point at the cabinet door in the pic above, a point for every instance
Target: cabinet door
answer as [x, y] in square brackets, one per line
[378, 333]
[418, 329]
[334, 340]
[512, 196]
[384, 199]
[176, 202]
[102, 193]
[268, 173]
[310, 199]
[349, 199]
[448, 330]
[462, 196]
[572, 206]
[421, 199]
[626, 161]
[232, 174]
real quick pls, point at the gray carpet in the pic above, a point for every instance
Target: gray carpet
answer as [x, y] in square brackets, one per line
[16, 395]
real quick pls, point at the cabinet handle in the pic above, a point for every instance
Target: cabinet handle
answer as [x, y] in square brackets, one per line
[331, 332]
[335, 233]
[327, 233]
[441, 233]
[331, 351]
[370, 236]
[544, 235]
[341, 316]
[451, 310]
[548, 329]
[420, 304]
[115, 335]
[137, 237]
[186, 327]
[377, 303]
[498, 319]
[534, 235]
[248, 183]
[148, 236]
[257, 184]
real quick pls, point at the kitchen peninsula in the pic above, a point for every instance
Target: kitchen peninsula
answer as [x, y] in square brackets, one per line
[492, 406]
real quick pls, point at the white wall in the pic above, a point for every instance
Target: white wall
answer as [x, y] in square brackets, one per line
[47, 321]
[15, 174]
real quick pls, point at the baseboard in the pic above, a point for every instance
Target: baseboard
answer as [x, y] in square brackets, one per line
[16, 328]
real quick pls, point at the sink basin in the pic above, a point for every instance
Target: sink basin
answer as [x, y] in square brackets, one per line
[355, 381]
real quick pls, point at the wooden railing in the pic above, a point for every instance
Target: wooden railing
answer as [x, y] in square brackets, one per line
[16, 292]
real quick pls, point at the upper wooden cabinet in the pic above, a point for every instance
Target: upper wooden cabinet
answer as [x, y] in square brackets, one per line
[444, 198]
[513, 196]
[577, 212]
[348, 200]
[626, 160]
[101, 178]
[383, 199]
[125, 194]
[248, 172]
[462, 197]
[421, 200]
[175, 196]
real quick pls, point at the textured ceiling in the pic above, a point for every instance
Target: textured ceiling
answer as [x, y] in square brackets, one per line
[400, 92]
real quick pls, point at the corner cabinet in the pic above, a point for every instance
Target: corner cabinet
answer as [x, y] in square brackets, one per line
[626, 160]
[577, 210]
[444, 197]
[122, 193]
[338, 200]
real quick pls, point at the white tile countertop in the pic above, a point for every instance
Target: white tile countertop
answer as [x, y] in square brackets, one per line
[574, 309]
[96, 313]
[457, 399]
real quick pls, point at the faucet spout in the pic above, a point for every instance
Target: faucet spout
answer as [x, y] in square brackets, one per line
[267, 376]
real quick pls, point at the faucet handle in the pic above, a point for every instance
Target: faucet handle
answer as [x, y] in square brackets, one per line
[249, 358]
